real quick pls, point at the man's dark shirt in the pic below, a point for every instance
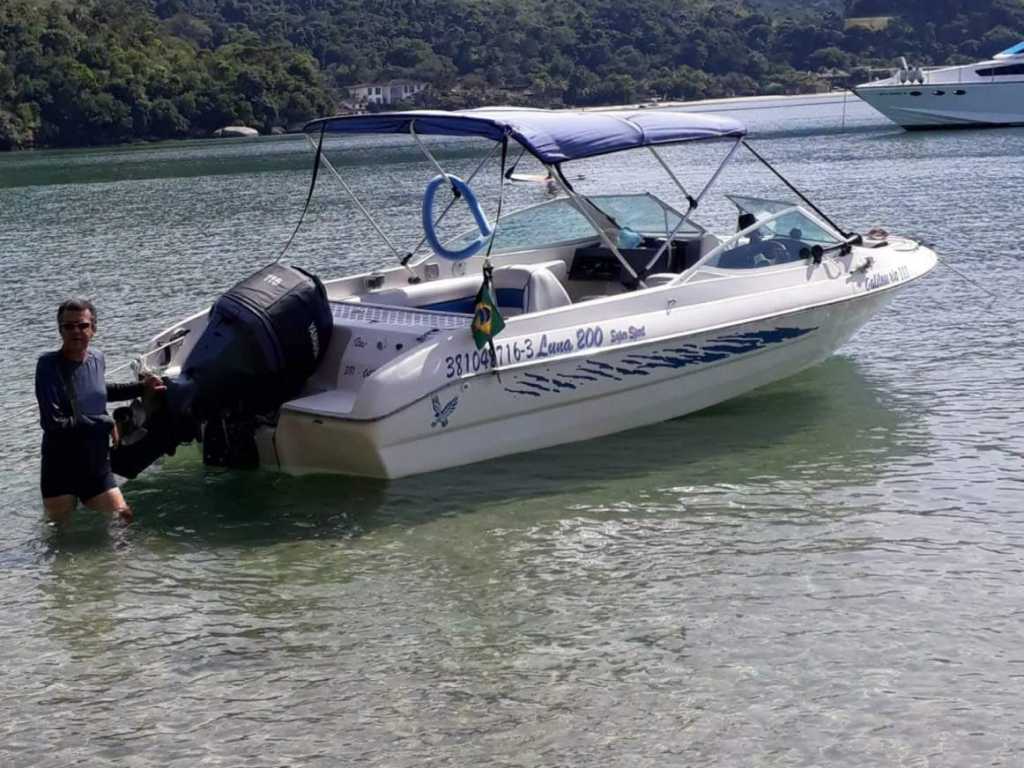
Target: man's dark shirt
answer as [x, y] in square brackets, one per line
[69, 425]
[56, 378]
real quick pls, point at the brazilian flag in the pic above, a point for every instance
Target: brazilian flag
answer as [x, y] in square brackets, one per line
[487, 320]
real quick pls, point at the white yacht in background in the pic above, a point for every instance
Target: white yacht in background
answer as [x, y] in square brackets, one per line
[987, 93]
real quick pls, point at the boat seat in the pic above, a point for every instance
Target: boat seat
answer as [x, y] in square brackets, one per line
[524, 288]
[518, 288]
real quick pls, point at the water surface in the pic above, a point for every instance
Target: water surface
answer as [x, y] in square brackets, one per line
[823, 572]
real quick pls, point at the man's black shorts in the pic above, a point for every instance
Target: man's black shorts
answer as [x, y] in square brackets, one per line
[79, 467]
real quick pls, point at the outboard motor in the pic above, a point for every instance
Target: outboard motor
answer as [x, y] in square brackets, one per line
[264, 338]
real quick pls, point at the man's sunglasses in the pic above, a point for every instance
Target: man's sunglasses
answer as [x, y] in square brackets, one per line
[75, 326]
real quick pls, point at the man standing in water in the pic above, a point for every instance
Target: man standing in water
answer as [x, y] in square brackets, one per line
[72, 397]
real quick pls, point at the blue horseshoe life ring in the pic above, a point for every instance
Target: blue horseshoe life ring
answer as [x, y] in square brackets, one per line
[474, 208]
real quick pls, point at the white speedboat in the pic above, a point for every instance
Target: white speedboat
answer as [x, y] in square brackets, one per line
[987, 93]
[620, 310]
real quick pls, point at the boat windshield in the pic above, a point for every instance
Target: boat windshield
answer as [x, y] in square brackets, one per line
[558, 221]
[645, 214]
[782, 237]
[784, 217]
[760, 207]
[549, 223]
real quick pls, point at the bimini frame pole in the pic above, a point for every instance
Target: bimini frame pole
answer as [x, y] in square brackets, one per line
[357, 201]
[717, 173]
[403, 259]
[684, 276]
[473, 175]
[694, 202]
[689, 198]
[581, 204]
[424, 150]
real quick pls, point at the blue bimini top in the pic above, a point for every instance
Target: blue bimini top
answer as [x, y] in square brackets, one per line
[553, 136]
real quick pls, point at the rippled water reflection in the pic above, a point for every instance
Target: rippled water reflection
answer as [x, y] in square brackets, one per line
[823, 572]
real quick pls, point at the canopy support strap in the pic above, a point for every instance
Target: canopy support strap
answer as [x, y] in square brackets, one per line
[563, 182]
[515, 164]
[488, 270]
[309, 195]
[501, 196]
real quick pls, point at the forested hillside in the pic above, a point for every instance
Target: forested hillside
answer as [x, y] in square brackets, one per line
[107, 71]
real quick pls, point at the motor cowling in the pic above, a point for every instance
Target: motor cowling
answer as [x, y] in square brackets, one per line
[263, 339]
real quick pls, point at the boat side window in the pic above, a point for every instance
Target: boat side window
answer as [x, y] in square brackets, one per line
[782, 239]
[1003, 71]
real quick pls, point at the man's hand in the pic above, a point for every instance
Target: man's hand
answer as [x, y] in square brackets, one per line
[153, 383]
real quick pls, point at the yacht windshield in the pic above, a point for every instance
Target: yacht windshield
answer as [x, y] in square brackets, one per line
[1015, 50]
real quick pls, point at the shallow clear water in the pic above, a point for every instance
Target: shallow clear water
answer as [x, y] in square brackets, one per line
[823, 572]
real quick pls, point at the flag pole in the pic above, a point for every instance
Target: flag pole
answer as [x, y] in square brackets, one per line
[487, 287]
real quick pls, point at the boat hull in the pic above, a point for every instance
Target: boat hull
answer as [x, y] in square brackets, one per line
[567, 401]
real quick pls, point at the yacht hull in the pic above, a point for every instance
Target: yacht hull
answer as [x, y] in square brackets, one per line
[953, 105]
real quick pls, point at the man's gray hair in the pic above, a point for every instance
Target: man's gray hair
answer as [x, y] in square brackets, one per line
[75, 305]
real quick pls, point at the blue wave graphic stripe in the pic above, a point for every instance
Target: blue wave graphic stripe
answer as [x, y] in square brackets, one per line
[641, 364]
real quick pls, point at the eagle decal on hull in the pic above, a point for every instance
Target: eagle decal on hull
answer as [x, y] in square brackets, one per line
[442, 414]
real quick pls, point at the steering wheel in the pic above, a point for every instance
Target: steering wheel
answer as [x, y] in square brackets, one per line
[774, 252]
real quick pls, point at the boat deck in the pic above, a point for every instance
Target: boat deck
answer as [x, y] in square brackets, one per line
[354, 314]
[367, 336]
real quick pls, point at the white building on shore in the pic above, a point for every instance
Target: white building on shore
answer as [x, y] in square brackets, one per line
[388, 92]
